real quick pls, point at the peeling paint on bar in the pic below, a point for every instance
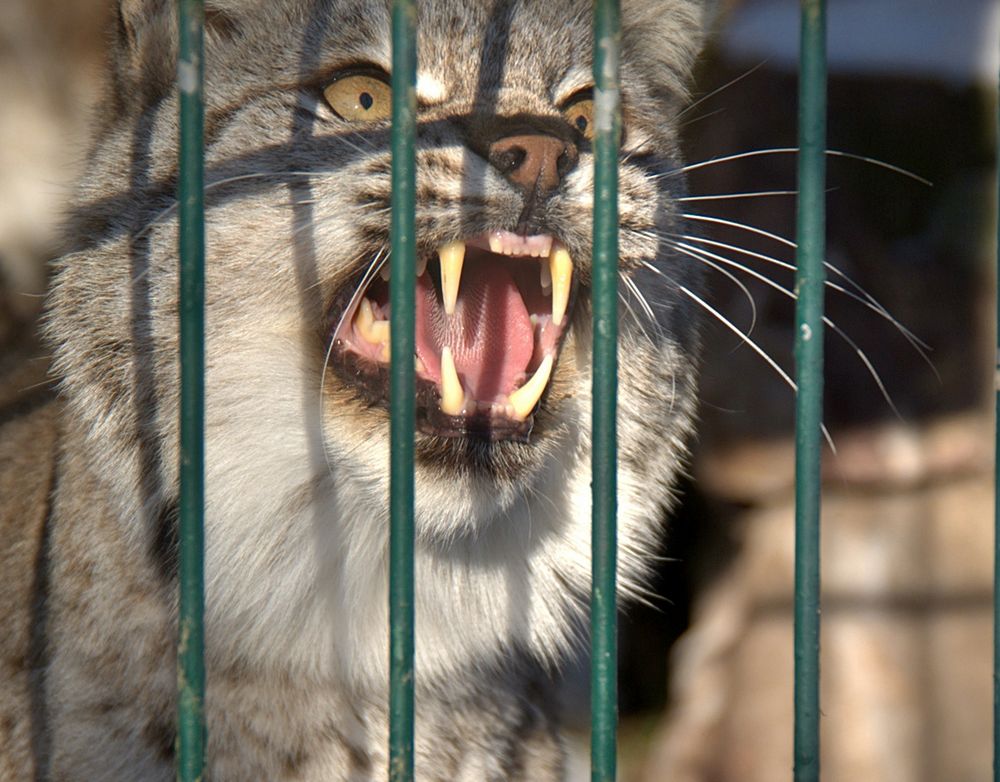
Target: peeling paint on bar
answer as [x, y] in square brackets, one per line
[187, 77]
[810, 279]
[604, 460]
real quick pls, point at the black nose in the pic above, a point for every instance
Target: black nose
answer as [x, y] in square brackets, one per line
[535, 162]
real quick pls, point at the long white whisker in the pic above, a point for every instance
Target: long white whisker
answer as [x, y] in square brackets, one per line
[730, 196]
[756, 348]
[624, 300]
[794, 150]
[630, 284]
[380, 259]
[788, 243]
[791, 295]
[865, 299]
[742, 227]
[692, 252]
[373, 268]
[717, 90]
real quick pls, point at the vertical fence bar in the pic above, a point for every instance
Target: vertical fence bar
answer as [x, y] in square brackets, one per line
[809, 377]
[604, 458]
[401, 390]
[190, 642]
[996, 492]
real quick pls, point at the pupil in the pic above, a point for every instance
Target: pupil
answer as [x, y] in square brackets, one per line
[581, 123]
[366, 100]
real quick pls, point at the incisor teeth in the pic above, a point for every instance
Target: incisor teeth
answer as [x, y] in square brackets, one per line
[523, 400]
[452, 395]
[561, 271]
[452, 257]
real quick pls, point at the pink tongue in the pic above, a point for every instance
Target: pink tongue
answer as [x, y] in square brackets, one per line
[490, 334]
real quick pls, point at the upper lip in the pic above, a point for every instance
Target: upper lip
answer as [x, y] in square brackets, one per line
[489, 354]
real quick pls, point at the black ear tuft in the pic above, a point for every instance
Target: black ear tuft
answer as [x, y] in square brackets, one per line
[145, 50]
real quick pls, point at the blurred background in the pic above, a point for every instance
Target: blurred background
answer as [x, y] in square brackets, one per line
[706, 671]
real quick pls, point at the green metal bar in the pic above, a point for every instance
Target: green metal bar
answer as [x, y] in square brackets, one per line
[190, 642]
[604, 458]
[809, 377]
[401, 389]
[996, 491]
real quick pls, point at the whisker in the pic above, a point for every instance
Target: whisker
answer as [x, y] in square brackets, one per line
[743, 227]
[755, 347]
[729, 196]
[833, 326]
[788, 243]
[630, 284]
[624, 300]
[373, 268]
[746, 292]
[866, 299]
[688, 123]
[725, 86]
[794, 151]
[646, 308]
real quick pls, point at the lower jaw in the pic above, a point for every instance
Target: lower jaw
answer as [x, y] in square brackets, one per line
[368, 382]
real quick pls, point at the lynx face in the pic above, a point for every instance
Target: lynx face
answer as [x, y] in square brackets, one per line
[298, 206]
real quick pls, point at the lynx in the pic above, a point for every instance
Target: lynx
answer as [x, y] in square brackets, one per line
[296, 436]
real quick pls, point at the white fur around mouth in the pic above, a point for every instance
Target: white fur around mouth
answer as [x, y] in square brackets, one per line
[491, 311]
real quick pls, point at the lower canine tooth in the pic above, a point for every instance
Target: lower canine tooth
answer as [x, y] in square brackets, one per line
[452, 257]
[523, 400]
[452, 395]
[561, 270]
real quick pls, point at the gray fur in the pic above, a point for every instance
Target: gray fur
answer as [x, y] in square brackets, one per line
[296, 477]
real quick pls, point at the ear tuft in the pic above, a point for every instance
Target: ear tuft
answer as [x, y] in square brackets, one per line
[145, 50]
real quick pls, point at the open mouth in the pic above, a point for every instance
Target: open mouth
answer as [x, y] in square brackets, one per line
[491, 314]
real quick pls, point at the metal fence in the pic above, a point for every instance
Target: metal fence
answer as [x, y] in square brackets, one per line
[809, 361]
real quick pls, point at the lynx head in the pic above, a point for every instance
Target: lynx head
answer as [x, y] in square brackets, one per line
[298, 166]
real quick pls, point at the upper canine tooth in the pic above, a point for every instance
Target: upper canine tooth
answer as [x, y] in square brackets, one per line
[421, 266]
[523, 400]
[561, 270]
[452, 257]
[384, 271]
[546, 278]
[452, 395]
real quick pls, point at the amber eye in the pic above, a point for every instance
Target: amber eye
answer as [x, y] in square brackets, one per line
[580, 114]
[360, 97]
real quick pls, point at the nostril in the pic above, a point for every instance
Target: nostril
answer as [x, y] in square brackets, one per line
[566, 161]
[507, 161]
[535, 162]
